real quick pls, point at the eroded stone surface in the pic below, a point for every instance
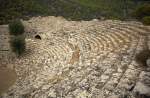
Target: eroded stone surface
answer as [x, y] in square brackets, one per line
[79, 59]
[7, 78]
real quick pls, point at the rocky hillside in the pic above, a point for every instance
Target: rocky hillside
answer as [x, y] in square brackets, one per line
[81, 59]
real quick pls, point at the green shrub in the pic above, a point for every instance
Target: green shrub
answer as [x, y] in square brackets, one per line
[142, 57]
[18, 45]
[146, 20]
[142, 11]
[16, 28]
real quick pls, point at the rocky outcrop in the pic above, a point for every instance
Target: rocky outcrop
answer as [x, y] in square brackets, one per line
[80, 59]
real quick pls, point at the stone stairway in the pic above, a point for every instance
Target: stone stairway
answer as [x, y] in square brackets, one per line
[79, 59]
[4, 45]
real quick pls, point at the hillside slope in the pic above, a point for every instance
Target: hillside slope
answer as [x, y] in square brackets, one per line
[12, 9]
[70, 9]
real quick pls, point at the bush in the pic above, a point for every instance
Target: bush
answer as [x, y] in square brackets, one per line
[18, 45]
[16, 28]
[146, 20]
[142, 57]
[142, 11]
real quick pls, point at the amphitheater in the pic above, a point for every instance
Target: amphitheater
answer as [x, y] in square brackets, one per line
[78, 59]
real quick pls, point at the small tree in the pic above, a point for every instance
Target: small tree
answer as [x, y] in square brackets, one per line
[16, 28]
[17, 39]
[18, 45]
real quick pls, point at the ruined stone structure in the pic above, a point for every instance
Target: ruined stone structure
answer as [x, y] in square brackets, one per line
[81, 59]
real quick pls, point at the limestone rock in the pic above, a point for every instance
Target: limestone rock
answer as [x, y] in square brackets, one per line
[142, 89]
[148, 62]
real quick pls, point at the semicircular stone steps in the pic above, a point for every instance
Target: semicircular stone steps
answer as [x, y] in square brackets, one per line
[79, 59]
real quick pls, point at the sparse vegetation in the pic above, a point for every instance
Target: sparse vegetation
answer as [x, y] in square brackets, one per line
[146, 20]
[18, 45]
[70, 9]
[12, 9]
[142, 57]
[16, 28]
[142, 11]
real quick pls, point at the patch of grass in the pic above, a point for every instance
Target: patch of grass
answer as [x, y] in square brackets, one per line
[16, 28]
